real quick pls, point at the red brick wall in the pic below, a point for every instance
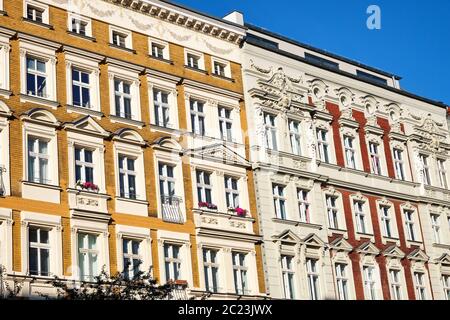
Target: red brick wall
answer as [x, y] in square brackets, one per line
[333, 109]
[361, 119]
[384, 124]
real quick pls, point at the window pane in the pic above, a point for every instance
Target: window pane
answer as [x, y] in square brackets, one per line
[45, 262]
[33, 261]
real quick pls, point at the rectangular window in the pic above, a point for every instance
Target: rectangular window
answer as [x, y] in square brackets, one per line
[204, 187]
[231, 192]
[88, 256]
[240, 273]
[409, 225]
[322, 145]
[36, 77]
[369, 283]
[35, 13]
[303, 205]
[295, 136]
[39, 251]
[399, 164]
[211, 270]
[288, 277]
[172, 262]
[127, 177]
[79, 26]
[446, 285]
[162, 108]
[333, 212]
[419, 284]
[435, 225]
[84, 165]
[119, 39]
[442, 173]
[122, 94]
[342, 281]
[81, 89]
[225, 124]
[313, 278]
[396, 285]
[131, 258]
[279, 201]
[375, 158]
[386, 221]
[158, 50]
[360, 216]
[371, 77]
[270, 131]
[321, 61]
[219, 69]
[193, 61]
[197, 117]
[166, 179]
[38, 158]
[350, 152]
[425, 169]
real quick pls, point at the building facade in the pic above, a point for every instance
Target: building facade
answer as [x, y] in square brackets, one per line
[122, 146]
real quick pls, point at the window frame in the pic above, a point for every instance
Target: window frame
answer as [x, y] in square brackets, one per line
[240, 272]
[208, 269]
[195, 54]
[226, 67]
[161, 44]
[127, 34]
[295, 135]
[323, 146]
[313, 278]
[37, 5]
[82, 19]
[197, 117]
[280, 201]
[288, 276]
[270, 131]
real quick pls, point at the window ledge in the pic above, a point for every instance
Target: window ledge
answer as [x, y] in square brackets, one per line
[41, 185]
[298, 223]
[415, 242]
[136, 201]
[41, 24]
[165, 129]
[95, 113]
[5, 93]
[46, 102]
[162, 59]
[196, 69]
[337, 231]
[223, 77]
[391, 239]
[132, 122]
[224, 214]
[72, 33]
[112, 45]
[90, 193]
[441, 245]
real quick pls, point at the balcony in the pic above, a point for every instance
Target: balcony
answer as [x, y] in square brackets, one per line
[171, 211]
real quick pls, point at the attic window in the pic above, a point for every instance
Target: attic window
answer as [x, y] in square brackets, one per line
[321, 61]
[371, 77]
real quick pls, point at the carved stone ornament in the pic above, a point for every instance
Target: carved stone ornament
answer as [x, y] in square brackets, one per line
[432, 130]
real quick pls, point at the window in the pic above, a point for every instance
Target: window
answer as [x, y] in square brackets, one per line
[172, 262]
[225, 124]
[157, 50]
[38, 160]
[231, 192]
[303, 205]
[409, 225]
[288, 277]
[36, 77]
[322, 145]
[419, 284]
[399, 164]
[127, 177]
[446, 285]
[131, 258]
[197, 117]
[79, 26]
[321, 61]
[35, 13]
[425, 169]
[219, 69]
[240, 273]
[371, 77]
[279, 201]
[294, 133]
[119, 39]
[84, 165]
[342, 281]
[270, 131]
[204, 187]
[396, 286]
[369, 283]
[162, 107]
[386, 221]
[349, 152]
[81, 88]
[313, 278]
[211, 270]
[88, 256]
[166, 180]
[122, 90]
[361, 224]
[39, 251]
[442, 173]
[193, 61]
[375, 158]
[333, 212]
[435, 225]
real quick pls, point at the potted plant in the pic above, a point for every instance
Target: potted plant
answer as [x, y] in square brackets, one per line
[87, 186]
[239, 212]
[207, 205]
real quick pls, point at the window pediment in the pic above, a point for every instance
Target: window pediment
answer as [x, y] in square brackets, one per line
[40, 116]
[313, 241]
[287, 237]
[87, 125]
[4, 110]
[444, 260]
[168, 144]
[368, 248]
[331, 191]
[418, 255]
[394, 252]
[129, 136]
[340, 244]
[219, 153]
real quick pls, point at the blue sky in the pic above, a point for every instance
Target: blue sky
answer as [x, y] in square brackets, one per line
[414, 40]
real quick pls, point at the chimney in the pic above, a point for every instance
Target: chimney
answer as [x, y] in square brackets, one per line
[235, 17]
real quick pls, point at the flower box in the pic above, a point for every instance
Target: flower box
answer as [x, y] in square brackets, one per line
[87, 186]
[207, 205]
[239, 212]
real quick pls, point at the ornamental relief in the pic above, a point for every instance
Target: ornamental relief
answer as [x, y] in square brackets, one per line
[434, 131]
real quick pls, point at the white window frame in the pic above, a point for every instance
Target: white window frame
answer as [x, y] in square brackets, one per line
[313, 278]
[399, 164]
[86, 20]
[198, 115]
[126, 33]
[436, 227]
[332, 212]
[425, 167]
[361, 217]
[5, 48]
[39, 5]
[420, 286]
[202, 187]
[198, 55]
[390, 218]
[410, 225]
[232, 196]
[42, 178]
[304, 205]
[350, 151]
[342, 280]
[209, 265]
[375, 158]
[170, 87]
[288, 276]
[295, 135]
[370, 282]
[161, 108]
[223, 121]
[270, 131]
[396, 284]
[280, 201]
[39, 246]
[6, 240]
[442, 172]
[446, 285]
[171, 260]
[323, 146]
[226, 65]
[161, 44]
[240, 273]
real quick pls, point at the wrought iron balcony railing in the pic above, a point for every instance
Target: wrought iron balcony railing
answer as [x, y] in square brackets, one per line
[171, 210]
